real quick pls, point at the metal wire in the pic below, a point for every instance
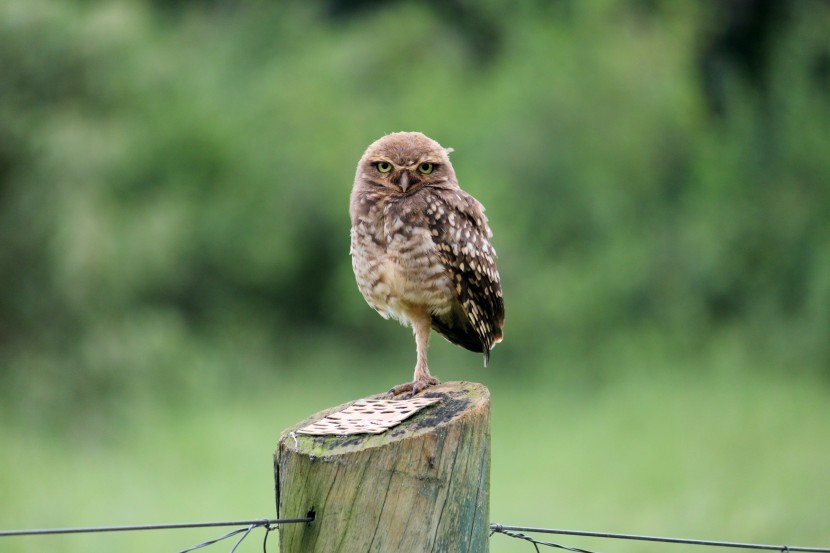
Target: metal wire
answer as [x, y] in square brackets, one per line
[500, 528]
[510, 531]
[94, 529]
[265, 539]
[220, 538]
[536, 543]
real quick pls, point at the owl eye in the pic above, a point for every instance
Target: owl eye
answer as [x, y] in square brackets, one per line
[426, 168]
[383, 166]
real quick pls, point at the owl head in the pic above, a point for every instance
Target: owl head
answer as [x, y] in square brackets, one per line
[403, 162]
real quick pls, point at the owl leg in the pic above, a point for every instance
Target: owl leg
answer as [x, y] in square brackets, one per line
[422, 379]
[421, 327]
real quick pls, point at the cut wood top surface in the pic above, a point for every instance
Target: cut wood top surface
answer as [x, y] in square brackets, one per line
[457, 400]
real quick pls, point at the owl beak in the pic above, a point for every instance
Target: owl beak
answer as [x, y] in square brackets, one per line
[404, 182]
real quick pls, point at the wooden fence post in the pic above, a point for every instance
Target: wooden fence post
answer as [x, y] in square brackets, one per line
[421, 486]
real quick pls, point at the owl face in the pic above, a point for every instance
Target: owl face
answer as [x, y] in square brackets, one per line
[404, 162]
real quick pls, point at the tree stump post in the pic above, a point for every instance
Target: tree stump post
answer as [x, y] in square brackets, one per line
[421, 486]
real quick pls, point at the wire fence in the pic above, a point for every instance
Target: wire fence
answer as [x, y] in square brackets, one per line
[518, 532]
[245, 527]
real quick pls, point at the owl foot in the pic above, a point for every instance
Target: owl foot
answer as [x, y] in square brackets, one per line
[415, 387]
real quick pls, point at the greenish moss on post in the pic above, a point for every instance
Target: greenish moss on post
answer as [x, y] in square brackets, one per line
[421, 486]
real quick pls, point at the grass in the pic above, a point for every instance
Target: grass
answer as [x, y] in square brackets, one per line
[733, 455]
[699, 456]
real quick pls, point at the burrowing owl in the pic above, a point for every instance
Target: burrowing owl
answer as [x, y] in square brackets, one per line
[420, 249]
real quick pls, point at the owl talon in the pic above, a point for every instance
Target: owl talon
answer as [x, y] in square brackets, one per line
[420, 385]
[395, 391]
[414, 388]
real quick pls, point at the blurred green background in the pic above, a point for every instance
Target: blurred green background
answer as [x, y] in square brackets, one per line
[176, 284]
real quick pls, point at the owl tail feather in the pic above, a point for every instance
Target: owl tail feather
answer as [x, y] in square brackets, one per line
[459, 334]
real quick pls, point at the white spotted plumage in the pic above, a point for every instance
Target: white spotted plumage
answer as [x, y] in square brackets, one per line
[420, 248]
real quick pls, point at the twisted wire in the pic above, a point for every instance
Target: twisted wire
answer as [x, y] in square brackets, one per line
[509, 530]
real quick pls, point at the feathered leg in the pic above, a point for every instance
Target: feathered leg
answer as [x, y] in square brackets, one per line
[421, 327]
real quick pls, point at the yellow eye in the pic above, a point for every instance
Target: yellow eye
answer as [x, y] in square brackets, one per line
[426, 168]
[383, 166]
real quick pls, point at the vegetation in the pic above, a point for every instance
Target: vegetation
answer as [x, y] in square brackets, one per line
[174, 181]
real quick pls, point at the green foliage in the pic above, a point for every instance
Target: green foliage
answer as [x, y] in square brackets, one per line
[174, 182]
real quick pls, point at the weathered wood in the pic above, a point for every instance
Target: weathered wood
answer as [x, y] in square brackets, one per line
[422, 486]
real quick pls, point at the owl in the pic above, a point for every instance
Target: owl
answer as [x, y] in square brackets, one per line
[420, 249]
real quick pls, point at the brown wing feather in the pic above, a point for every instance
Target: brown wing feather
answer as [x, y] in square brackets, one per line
[461, 235]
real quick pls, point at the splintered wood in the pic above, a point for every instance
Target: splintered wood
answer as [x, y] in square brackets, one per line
[368, 416]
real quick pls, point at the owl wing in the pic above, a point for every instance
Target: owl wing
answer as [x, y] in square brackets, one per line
[461, 236]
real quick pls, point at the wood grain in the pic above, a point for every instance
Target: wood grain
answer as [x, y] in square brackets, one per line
[422, 486]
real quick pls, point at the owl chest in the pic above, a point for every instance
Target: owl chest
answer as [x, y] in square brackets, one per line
[397, 266]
